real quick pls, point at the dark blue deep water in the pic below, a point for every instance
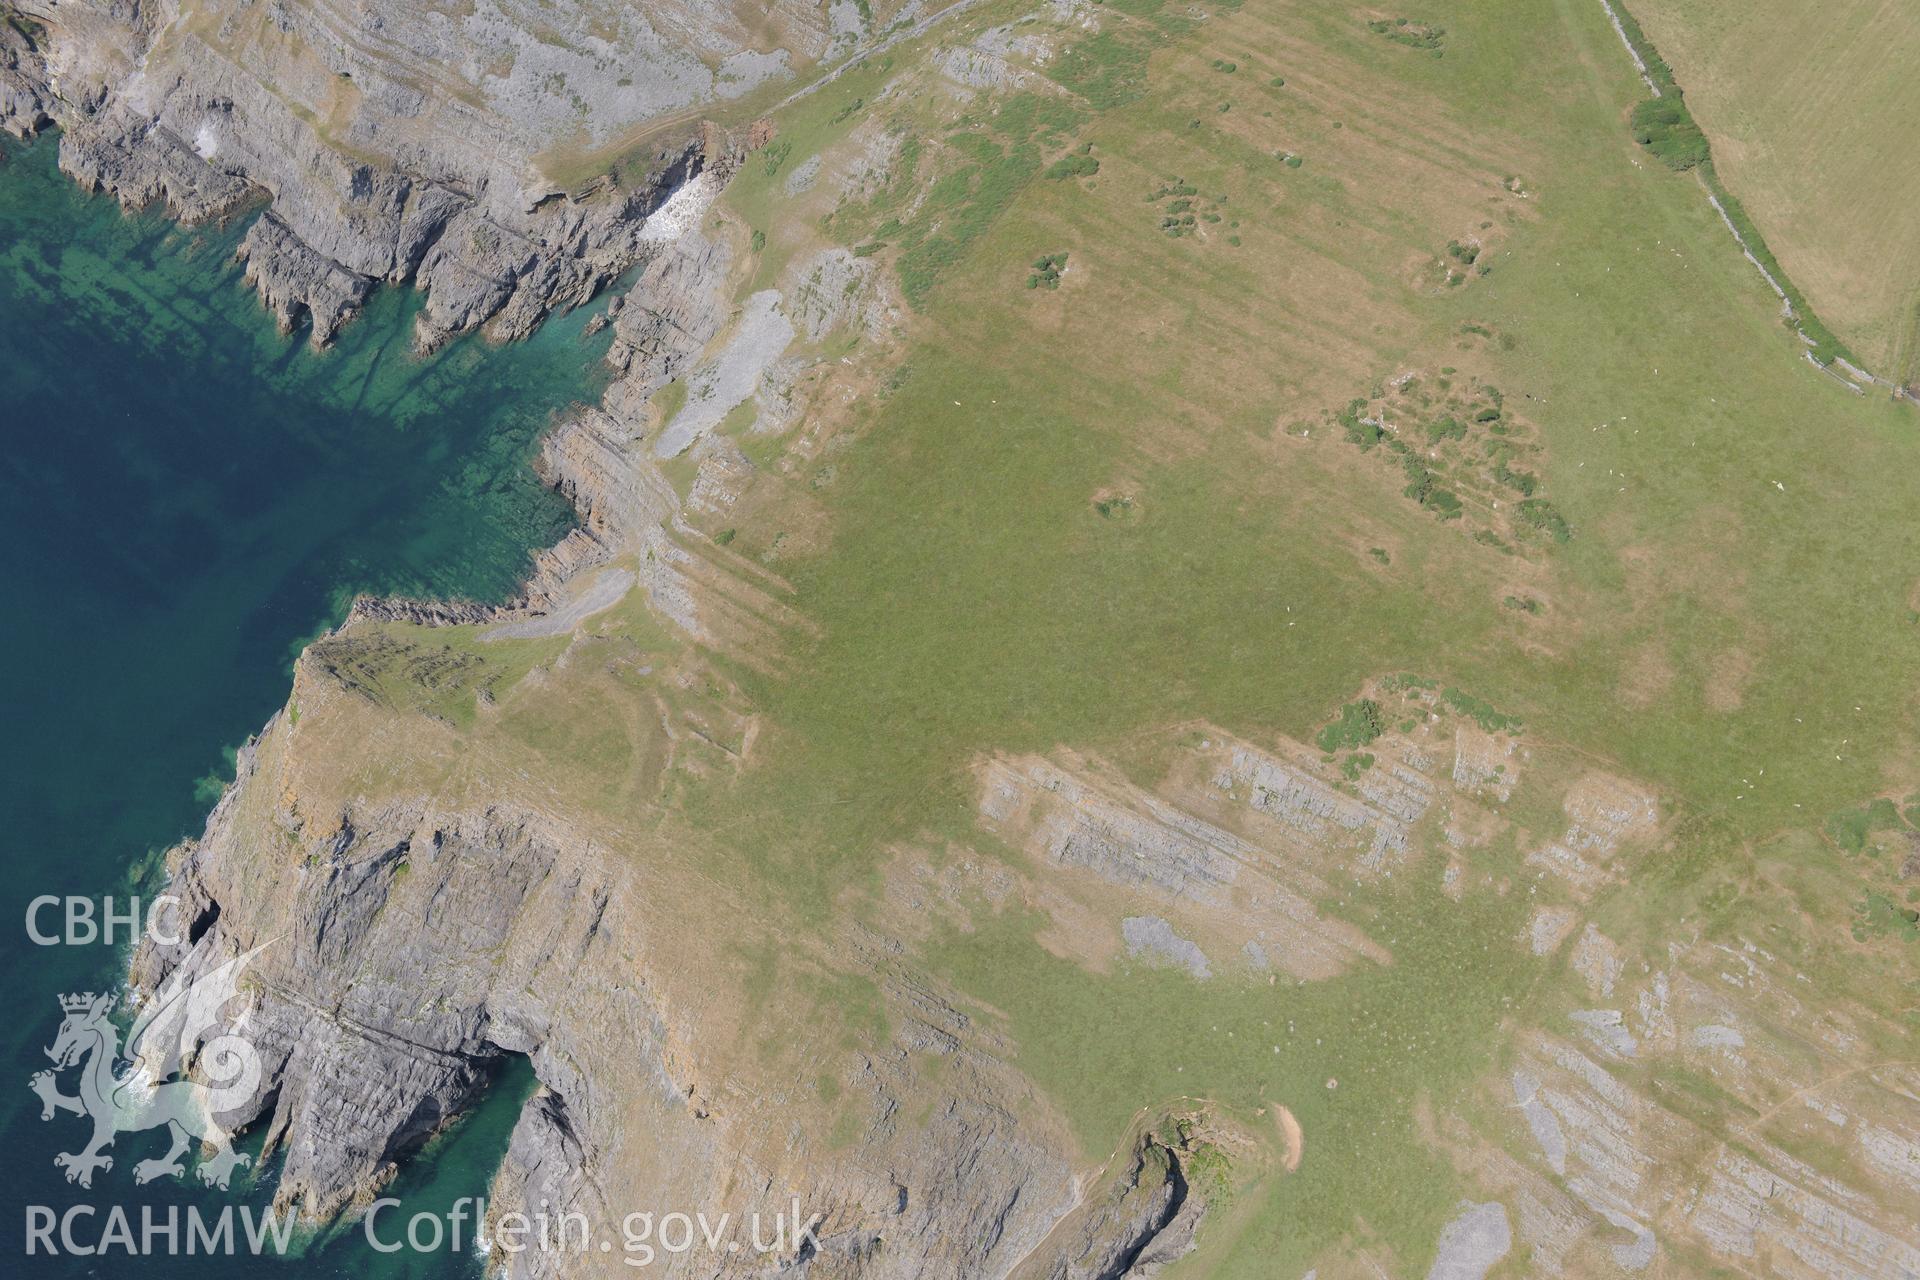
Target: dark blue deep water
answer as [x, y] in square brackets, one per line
[186, 496]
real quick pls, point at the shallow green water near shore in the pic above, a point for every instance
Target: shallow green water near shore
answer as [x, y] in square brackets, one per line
[186, 496]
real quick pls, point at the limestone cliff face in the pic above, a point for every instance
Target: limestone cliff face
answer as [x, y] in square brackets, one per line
[409, 947]
[501, 155]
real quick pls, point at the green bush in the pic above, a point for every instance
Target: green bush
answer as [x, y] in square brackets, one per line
[1364, 434]
[1522, 482]
[1544, 516]
[1480, 712]
[1359, 724]
[1046, 271]
[1665, 127]
[1415, 35]
[1073, 166]
[1424, 488]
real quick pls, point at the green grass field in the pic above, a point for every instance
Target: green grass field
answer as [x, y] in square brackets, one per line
[1074, 516]
[1782, 101]
[1736, 597]
[973, 597]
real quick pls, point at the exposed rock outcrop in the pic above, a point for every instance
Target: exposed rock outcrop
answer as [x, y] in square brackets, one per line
[502, 157]
[1473, 1243]
[297, 283]
[380, 1017]
[1622, 1167]
[25, 99]
[1145, 1219]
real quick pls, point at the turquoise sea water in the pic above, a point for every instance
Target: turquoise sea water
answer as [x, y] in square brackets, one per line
[186, 496]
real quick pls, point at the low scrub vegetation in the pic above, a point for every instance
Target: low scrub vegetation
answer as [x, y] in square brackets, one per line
[1415, 35]
[1359, 724]
[1077, 165]
[1046, 271]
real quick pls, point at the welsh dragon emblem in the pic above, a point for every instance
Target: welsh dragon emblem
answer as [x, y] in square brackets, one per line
[184, 1025]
